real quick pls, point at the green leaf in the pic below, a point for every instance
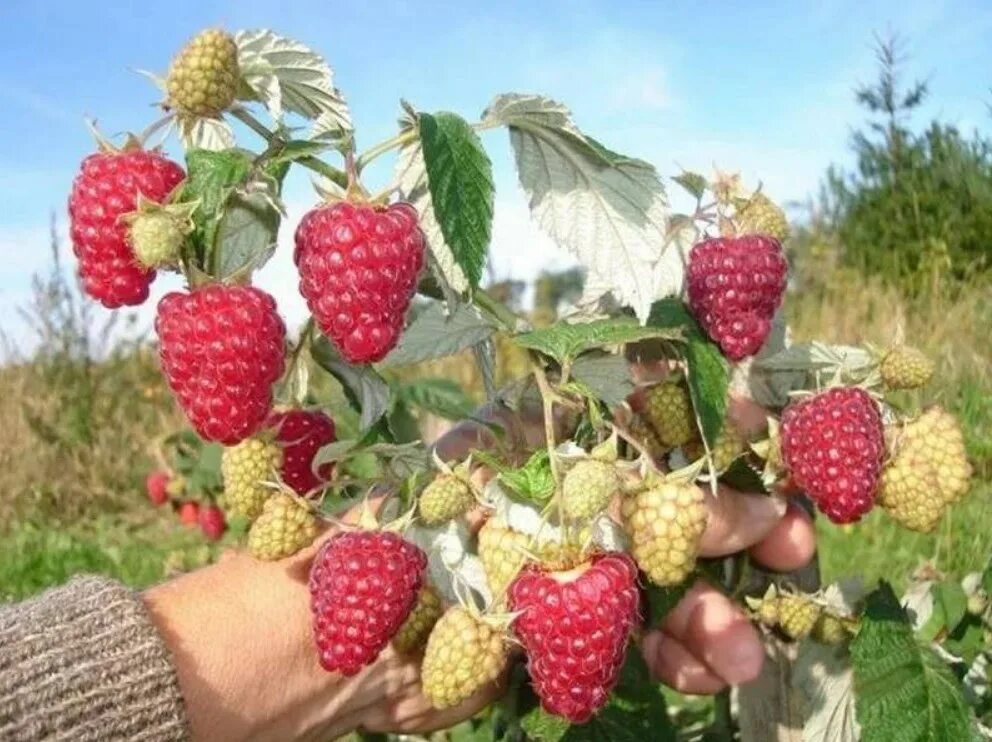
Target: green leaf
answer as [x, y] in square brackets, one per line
[635, 712]
[904, 691]
[607, 376]
[707, 372]
[248, 228]
[435, 333]
[298, 149]
[532, 482]
[950, 605]
[607, 210]
[563, 342]
[693, 183]
[210, 178]
[460, 178]
[442, 397]
[287, 76]
[367, 392]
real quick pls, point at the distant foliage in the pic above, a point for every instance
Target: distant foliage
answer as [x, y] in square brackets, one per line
[915, 203]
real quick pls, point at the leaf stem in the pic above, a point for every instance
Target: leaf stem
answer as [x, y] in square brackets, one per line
[383, 147]
[548, 405]
[496, 310]
[311, 162]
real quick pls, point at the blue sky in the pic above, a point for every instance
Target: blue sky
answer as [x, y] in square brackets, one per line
[764, 88]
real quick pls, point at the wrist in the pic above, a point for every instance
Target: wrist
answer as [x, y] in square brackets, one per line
[239, 633]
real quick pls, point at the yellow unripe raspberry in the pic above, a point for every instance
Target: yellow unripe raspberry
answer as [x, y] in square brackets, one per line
[285, 526]
[665, 523]
[203, 78]
[502, 552]
[760, 215]
[797, 615]
[668, 409]
[444, 499]
[587, 489]
[904, 367]
[927, 472]
[246, 468]
[464, 654]
[729, 446]
[417, 627]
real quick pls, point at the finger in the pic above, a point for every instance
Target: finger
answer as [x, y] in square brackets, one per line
[672, 664]
[717, 632]
[747, 417]
[738, 520]
[790, 544]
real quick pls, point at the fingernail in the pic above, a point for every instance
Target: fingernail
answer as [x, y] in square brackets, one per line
[766, 509]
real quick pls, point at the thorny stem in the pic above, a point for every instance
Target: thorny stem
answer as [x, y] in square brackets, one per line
[383, 147]
[313, 163]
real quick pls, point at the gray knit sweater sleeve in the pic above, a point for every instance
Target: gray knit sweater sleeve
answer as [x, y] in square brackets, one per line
[85, 662]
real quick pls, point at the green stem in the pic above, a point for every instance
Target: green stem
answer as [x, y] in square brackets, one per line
[496, 310]
[383, 147]
[312, 163]
[723, 722]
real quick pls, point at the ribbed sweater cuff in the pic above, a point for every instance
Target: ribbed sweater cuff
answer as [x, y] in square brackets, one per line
[84, 662]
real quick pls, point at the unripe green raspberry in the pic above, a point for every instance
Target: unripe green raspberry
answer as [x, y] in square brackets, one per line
[414, 632]
[834, 630]
[728, 448]
[246, 468]
[904, 367]
[760, 215]
[203, 78]
[176, 486]
[928, 470]
[668, 408]
[285, 526]
[503, 552]
[797, 615]
[444, 499]
[464, 654]
[588, 488]
[157, 240]
[665, 524]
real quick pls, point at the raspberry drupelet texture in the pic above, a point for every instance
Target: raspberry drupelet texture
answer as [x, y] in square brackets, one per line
[222, 348]
[735, 287]
[833, 444]
[106, 189]
[300, 434]
[575, 627]
[363, 586]
[358, 266]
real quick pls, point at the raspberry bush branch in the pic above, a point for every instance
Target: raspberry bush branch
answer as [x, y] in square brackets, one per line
[574, 526]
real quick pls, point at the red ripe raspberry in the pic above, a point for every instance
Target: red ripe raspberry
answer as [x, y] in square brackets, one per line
[189, 513]
[363, 585]
[833, 444]
[735, 287]
[358, 266]
[156, 484]
[302, 433]
[222, 349]
[575, 627]
[105, 189]
[212, 522]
